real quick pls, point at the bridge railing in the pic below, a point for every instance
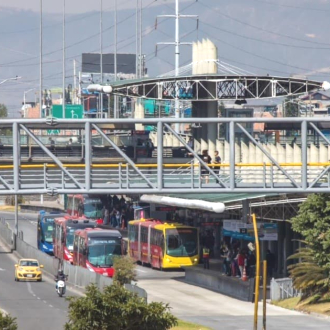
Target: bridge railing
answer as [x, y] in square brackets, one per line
[124, 176]
[282, 289]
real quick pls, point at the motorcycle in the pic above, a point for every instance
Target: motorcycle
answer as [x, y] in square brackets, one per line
[60, 287]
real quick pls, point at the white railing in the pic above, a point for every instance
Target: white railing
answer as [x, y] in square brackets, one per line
[283, 289]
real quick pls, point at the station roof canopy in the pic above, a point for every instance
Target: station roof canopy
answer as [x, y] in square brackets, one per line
[224, 198]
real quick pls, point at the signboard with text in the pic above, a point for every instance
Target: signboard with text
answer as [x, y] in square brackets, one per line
[72, 111]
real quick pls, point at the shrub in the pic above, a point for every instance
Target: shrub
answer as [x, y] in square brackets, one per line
[117, 308]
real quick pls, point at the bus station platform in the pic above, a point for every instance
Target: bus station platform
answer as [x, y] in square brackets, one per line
[213, 279]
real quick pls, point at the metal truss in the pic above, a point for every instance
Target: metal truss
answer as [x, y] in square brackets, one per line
[128, 177]
[214, 87]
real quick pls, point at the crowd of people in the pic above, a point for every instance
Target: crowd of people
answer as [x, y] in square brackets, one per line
[117, 212]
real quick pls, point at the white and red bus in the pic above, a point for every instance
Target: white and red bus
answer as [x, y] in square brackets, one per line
[94, 249]
[90, 207]
[64, 229]
[163, 245]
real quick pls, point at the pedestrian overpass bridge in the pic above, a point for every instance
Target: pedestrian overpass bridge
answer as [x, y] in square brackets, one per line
[127, 176]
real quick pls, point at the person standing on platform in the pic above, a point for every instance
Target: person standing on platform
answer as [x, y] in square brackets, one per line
[206, 257]
[271, 260]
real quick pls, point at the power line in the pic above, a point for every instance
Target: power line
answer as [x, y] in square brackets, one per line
[266, 2]
[260, 28]
[263, 41]
[262, 57]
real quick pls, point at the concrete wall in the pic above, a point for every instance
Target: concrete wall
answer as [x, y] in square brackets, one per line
[214, 281]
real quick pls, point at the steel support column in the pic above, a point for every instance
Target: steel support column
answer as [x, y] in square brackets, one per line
[318, 131]
[160, 135]
[16, 157]
[304, 155]
[50, 154]
[88, 155]
[232, 155]
[122, 154]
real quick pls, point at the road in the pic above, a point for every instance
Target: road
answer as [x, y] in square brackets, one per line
[220, 312]
[188, 302]
[34, 304]
[27, 222]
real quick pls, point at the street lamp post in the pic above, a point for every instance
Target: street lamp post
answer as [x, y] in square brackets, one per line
[24, 99]
[8, 79]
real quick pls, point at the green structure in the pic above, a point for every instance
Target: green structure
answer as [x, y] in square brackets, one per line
[72, 111]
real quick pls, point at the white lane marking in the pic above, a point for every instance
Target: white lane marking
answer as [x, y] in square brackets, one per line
[51, 306]
[141, 271]
[34, 223]
[2, 270]
[45, 301]
[38, 298]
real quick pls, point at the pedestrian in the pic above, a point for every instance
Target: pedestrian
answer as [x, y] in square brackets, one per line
[241, 262]
[106, 217]
[113, 219]
[206, 257]
[271, 259]
[69, 146]
[217, 160]
[81, 209]
[150, 147]
[123, 219]
[1, 147]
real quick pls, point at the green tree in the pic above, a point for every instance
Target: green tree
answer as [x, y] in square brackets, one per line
[7, 322]
[124, 270]
[290, 108]
[117, 308]
[313, 223]
[3, 111]
[307, 275]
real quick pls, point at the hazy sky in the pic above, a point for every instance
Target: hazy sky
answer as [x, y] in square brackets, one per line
[73, 6]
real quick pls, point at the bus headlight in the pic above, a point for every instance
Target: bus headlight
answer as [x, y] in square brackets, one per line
[168, 260]
[195, 260]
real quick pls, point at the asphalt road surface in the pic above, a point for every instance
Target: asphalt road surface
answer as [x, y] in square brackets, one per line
[27, 222]
[36, 305]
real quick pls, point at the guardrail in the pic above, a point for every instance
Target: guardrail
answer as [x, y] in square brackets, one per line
[77, 276]
[283, 289]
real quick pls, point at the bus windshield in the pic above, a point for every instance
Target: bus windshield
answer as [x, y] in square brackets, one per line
[70, 237]
[101, 251]
[182, 242]
[47, 232]
[93, 209]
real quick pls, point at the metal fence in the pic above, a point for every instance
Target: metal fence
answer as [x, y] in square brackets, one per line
[283, 289]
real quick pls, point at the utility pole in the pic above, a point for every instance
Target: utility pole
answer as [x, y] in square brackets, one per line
[140, 55]
[101, 56]
[115, 63]
[75, 83]
[137, 40]
[177, 44]
[40, 78]
[63, 83]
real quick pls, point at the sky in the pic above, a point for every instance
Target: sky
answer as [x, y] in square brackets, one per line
[73, 6]
[276, 37]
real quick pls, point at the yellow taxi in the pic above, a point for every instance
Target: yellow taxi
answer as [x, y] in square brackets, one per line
[28, 269]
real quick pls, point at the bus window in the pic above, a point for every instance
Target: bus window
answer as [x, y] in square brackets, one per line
[48, 233]
[181, 242]
[101, 252]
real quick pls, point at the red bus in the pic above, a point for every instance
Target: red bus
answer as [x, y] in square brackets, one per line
[64, 229]
[163, 245]
[90, 207]
[94, 249]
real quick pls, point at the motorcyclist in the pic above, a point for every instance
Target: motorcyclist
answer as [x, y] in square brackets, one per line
[60, 277]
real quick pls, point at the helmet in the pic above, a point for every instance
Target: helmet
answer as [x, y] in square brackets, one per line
[60, 272]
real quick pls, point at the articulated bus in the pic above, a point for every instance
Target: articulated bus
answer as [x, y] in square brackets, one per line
[45, 230]
[163, 245]
[64, 230]
[90, 207]
[94, 249]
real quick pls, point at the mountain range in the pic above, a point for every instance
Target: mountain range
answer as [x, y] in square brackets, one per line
[279, 38]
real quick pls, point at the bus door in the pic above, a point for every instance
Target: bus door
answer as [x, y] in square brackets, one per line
[139, 242]
[149, 248]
